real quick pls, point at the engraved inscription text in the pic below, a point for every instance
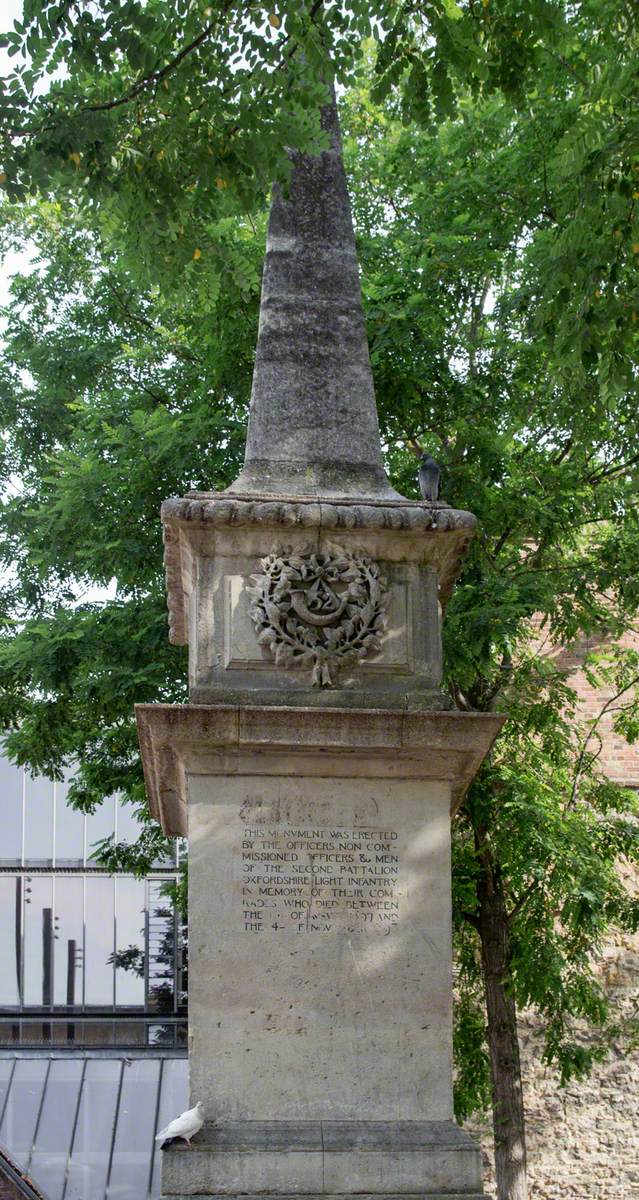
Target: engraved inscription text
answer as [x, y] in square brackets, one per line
[310, 881]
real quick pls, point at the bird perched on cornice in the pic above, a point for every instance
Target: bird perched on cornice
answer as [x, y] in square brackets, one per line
[429, 476]
[185, 1126]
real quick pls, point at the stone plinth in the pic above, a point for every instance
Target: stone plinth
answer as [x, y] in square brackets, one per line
[320, 1010]
[326, 1159]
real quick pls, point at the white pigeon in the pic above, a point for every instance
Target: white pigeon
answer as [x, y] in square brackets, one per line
[185, 1126]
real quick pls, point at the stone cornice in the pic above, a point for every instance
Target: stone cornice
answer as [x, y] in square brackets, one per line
[226, 508]
[264, 740]
[446, 531]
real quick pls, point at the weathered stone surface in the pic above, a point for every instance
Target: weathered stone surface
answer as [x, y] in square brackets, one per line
[307, 1157]
[423, 1172]
[231, 1172]
[348, 743]
[313, 422]
[318, 816]
[211, 569]
[224, 508]
[421, 1195]
[209, 525]
[288, 1136]
[349, 1015]
[400, 667]
[583, 1139]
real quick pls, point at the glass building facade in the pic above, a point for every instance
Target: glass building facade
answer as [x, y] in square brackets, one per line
[92, 998]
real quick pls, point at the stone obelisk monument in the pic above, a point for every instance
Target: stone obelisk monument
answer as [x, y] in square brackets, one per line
[317, 765]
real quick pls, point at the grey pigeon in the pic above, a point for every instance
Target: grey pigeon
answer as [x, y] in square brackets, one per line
[185, 1126]
[429, 476]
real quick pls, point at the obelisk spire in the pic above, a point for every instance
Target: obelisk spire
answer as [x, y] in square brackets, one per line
[313, 426]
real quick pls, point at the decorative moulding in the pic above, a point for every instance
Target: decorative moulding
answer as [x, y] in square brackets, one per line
[323, 611]
[224, 508]
[430, 532]
[220, 739]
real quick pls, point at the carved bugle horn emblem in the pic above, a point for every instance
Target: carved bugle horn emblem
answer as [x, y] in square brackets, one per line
[324, 611]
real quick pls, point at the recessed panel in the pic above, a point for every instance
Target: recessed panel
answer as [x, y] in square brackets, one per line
[242, 650]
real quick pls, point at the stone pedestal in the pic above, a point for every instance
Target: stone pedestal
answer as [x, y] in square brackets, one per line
[316, 768]
[320, 944]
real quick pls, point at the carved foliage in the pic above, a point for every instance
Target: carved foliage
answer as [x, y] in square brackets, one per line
[325, 611]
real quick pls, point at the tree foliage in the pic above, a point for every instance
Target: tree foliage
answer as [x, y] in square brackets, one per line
[163, 120]
[454, 230]
[112, 400]
[493, 158]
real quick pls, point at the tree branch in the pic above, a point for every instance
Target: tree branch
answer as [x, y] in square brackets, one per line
[580, 767]
[470, 918]
[598, 476]
[156, 76]
[139, 319]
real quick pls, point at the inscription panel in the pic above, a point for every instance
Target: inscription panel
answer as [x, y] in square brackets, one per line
[311, 881]
[319, 914]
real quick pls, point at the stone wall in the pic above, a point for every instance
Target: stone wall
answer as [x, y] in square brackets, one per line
[583, 1139]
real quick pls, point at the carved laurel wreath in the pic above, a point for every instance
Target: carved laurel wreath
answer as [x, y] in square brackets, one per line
[321, 610]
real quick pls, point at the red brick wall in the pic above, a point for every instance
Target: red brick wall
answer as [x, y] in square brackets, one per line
[619, 760]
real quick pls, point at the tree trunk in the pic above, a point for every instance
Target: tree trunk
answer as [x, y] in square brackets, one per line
[508, 1107]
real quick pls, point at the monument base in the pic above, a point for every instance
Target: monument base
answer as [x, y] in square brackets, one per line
[328, 1159]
